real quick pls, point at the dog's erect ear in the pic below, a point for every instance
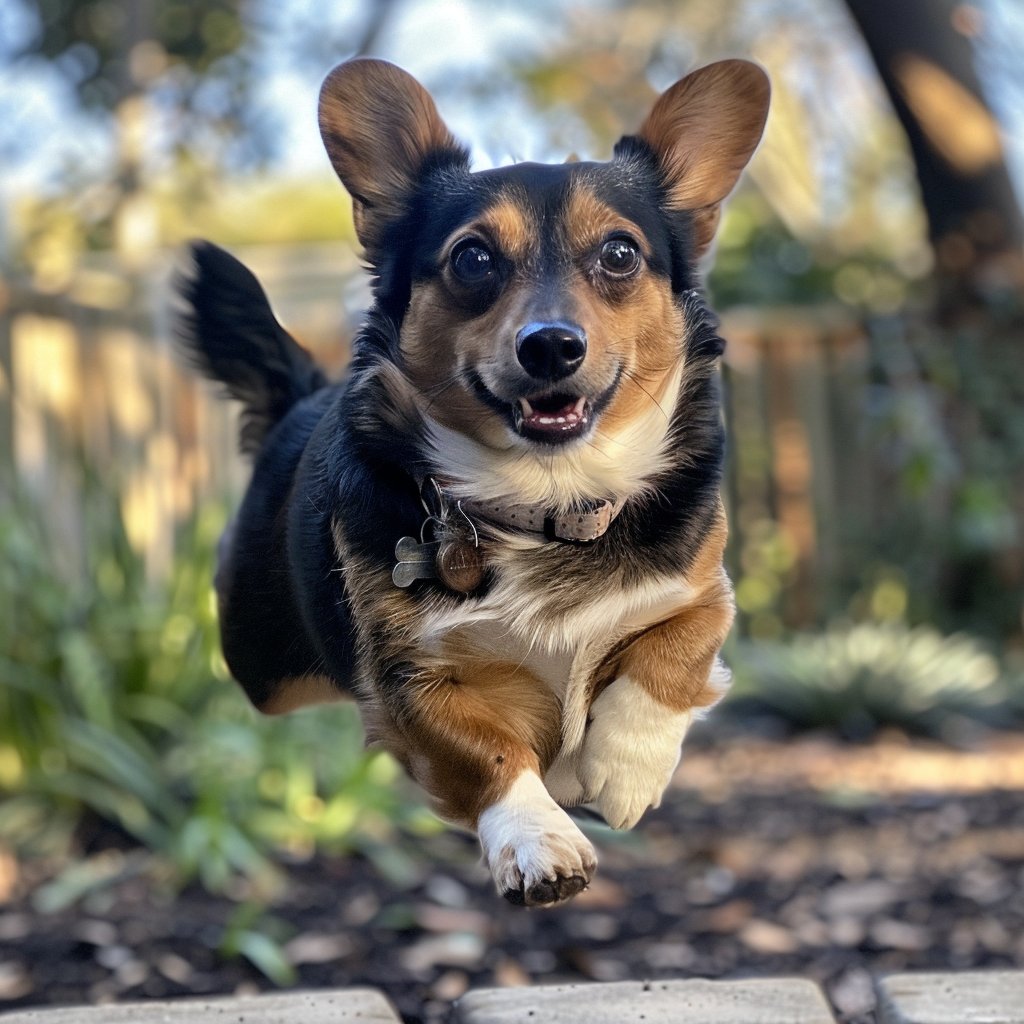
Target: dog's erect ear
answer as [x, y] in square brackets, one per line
[703, 131]
[381, 129]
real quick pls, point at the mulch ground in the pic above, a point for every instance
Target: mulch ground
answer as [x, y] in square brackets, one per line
[801, 857]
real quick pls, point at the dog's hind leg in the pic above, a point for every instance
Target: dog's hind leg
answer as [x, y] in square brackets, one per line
[478, 737]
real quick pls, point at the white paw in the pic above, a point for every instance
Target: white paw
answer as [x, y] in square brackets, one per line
[535, 852]
[631, 750]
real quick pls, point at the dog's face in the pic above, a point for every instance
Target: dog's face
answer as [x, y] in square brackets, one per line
[539, 305]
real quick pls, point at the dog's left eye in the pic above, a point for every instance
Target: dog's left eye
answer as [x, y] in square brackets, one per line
[472, 262]
[619, 257]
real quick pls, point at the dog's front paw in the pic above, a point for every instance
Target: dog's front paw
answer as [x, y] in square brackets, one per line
[536, 854]
[630, 752]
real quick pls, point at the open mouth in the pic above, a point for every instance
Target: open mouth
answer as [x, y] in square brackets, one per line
[554, 418]
[550, 418]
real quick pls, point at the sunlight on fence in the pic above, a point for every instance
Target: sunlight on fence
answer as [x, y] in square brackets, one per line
[95, 385]
[794, 381]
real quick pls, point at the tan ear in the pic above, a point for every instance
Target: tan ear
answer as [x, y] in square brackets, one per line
[704, 130]
[380, 127]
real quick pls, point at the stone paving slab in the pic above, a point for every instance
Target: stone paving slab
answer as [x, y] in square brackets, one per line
[970, 997]
[695, 1001]
[338, 1006]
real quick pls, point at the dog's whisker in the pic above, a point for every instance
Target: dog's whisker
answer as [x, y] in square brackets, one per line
[443, 385]
[630, 376]
[438, 390]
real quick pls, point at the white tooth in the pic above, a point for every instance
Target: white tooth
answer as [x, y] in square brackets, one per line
[559, 419]
[526, 407]
[579, 406]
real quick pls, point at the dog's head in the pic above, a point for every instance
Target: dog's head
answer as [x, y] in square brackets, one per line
[540, 308]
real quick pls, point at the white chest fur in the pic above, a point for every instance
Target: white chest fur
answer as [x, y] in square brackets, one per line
[559, 642]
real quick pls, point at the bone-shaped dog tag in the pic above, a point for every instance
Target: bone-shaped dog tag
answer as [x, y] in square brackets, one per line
[415, 561]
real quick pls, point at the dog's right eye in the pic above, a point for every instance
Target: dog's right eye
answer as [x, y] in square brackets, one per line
[619, 257]
[471, 261]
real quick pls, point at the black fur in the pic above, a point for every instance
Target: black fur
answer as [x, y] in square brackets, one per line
[231, 335]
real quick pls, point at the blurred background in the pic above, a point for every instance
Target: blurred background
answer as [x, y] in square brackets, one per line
[157, 838]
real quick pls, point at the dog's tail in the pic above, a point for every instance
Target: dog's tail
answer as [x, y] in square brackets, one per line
[228, 332]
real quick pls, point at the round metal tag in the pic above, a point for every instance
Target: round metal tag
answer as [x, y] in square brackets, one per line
[460, 566]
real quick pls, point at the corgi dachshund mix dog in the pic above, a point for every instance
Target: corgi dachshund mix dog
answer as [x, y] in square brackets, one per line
[502, 531]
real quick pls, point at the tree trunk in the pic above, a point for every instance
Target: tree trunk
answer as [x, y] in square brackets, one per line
[923, 52]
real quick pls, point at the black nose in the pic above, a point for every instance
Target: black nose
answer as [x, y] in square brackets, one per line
[551, 351]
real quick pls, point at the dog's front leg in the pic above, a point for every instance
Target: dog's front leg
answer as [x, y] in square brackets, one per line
[637, 724]
[477, 739]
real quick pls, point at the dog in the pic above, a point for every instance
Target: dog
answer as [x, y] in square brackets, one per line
[502, 531]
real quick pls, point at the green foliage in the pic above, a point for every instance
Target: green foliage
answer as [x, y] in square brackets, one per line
[91, 41]
[116, 704]
[759, 262]
[860, 678]
[259, 938]
[943, 415]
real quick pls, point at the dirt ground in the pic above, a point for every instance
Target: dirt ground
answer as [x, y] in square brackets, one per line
[799, 857]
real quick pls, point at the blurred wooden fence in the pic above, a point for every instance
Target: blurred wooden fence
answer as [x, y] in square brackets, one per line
[802, 469]
[90, 378]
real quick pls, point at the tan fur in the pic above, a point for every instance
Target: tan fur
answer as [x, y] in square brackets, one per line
[673, 660]
[374, 599]
[704, 129]
[437, 342]
[474, 727]
[378, 124]
[290, 694]
[507, 225]
[588, 221]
